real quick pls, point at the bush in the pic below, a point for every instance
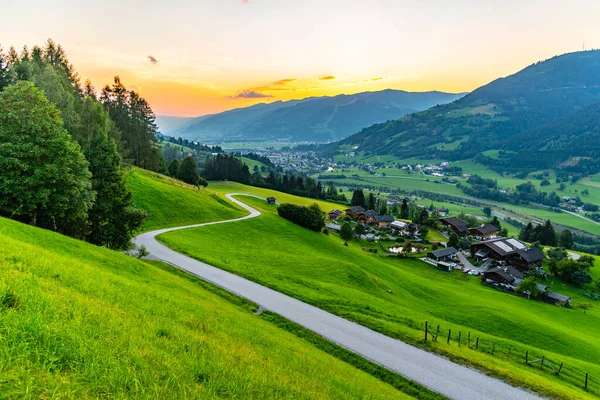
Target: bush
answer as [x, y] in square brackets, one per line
[308, 217]
[325, 231]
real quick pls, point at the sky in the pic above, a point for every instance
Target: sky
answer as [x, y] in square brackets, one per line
[191, 58]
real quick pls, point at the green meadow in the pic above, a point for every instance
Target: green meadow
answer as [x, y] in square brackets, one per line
[397, 296]
[82, 322]
[171, 202]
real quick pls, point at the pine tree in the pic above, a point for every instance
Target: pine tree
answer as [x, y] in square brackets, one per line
[188, 171]
[566, 239]
[371, 201]
[526, 233]
[404, 209]
[174, 168]
[3, 69]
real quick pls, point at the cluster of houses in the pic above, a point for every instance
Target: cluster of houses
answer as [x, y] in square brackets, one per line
[511, 259]
[570, 204]
[371, 217]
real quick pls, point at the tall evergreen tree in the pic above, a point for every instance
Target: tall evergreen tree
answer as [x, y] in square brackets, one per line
[404, 209]
[174, 168]
[547, 235]
[371, 201]
[188, 171]
[526, 233]
[112, 218]
[3, 69]
[566, 239]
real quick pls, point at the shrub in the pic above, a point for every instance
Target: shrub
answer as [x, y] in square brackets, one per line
[308, 217]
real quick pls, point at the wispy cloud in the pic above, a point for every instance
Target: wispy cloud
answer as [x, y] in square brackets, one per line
[377, 79]
[152, 60]
[327, 78]
[284, 81]
[249, 94]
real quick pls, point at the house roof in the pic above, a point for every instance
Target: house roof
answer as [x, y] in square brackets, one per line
[448, 251]
[481, 254]
[509, 273]
[531, 254]
[557, 296]
[357, 209]
[335, 211]
[456, 222]
[370, 213]
[271, 198]
[333, 227]
[485, 229]
[384, 218]
[399, 224]
[503, 246]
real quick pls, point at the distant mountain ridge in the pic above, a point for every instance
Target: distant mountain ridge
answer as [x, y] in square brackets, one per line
[503, 114]
[315, 119]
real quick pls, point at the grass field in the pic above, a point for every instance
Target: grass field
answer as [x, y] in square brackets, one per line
[354, 284]
[170, 202]
[82, 322]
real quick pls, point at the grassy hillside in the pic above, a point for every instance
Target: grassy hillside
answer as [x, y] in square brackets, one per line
[79, 321]
[397, 297]
[495, 115]
[170, 202]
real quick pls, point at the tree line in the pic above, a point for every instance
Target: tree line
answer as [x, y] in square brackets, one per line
[63, 149]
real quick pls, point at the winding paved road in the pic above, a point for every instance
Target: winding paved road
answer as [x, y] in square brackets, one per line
[437, 373]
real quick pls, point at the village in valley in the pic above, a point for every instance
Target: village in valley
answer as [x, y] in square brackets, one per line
[503, 263]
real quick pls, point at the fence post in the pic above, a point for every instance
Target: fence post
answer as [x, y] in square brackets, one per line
[559, 368]
[437, 332]
[469, 339]
[459, 338]
[426, 327]
[493, 348]
[587, 374]
[477, 343]
[542, 362]
[527, 356]
[508, 355]
[449, 333]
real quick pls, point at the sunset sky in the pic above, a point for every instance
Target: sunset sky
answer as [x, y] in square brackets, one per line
[190, 58]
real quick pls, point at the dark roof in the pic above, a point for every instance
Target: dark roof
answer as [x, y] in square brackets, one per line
[357, 209]
[531, 254]
[456, 222]
[508, 273]
[413, 226]
[557, 296]
[370, 213]
[335, 211]
[481, 253]
[485, 229]
[503, 246]
[271, 198]
[448, 251]
[332, 227]
[384, 218]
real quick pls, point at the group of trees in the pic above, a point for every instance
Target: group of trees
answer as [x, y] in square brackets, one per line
[546, 235]
[61, 149]
[311, 217]
[569, 270]
[187, 171]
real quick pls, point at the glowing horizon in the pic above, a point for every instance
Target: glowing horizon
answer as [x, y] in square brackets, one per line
[192, 59]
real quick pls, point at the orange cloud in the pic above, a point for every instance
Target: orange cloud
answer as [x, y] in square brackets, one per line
[284, 81]
[327, 78]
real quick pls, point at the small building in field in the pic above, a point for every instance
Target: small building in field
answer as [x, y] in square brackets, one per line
[443, 211]
[555, 298]
[355, 212]
[442, 254]
[457, 225]
[333, 227]
[383, 221]
[335, 214]
[485, 231]
[271, 200]
[506, 275]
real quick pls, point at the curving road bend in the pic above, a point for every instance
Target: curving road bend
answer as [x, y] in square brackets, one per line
[435, 372]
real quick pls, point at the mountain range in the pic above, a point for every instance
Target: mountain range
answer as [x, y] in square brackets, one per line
[316, 119]
[544, 115]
